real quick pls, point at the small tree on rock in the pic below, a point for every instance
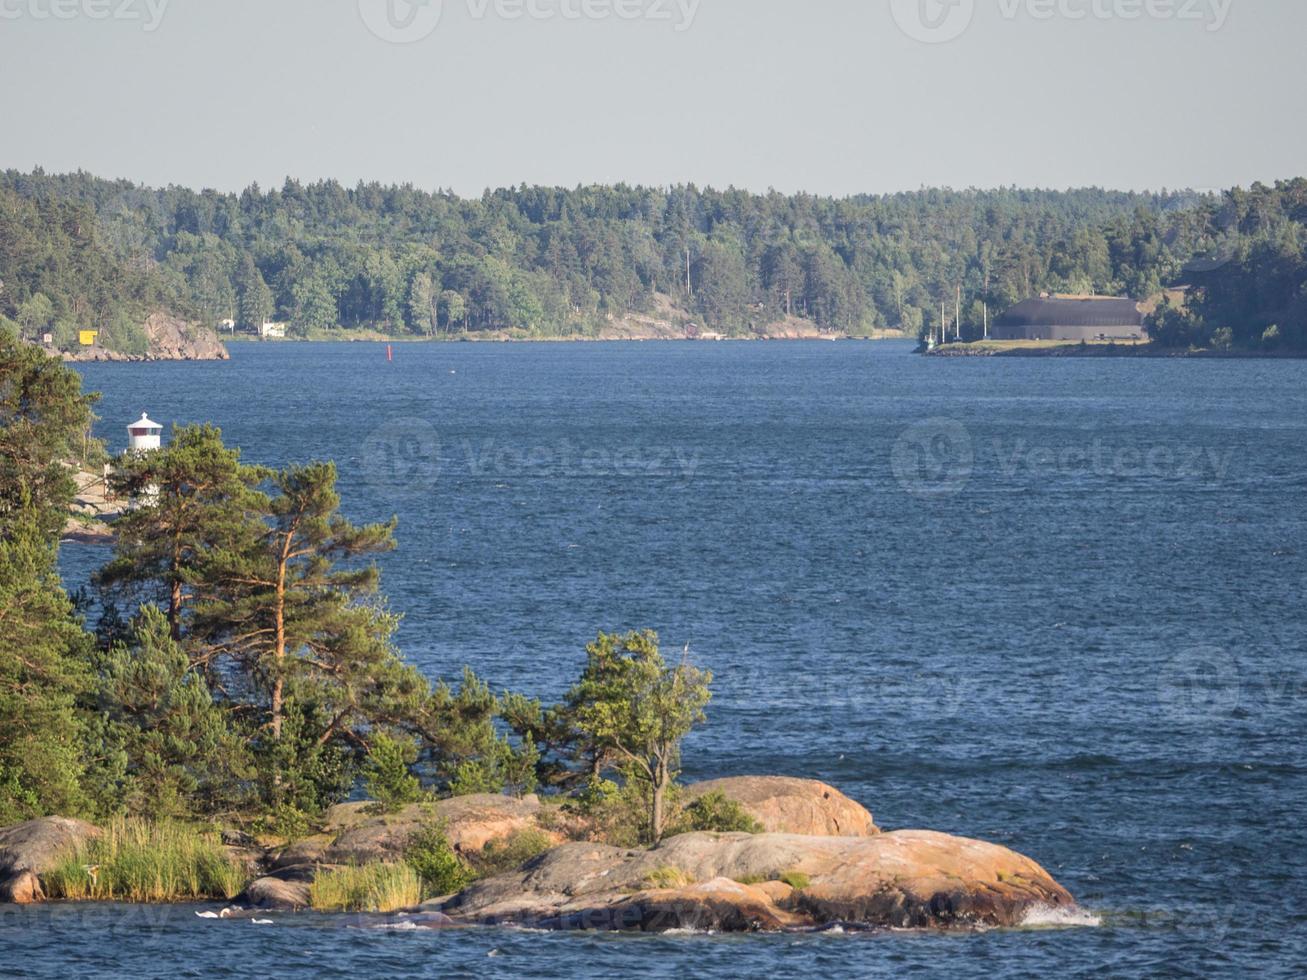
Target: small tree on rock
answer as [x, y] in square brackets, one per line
[631, 702]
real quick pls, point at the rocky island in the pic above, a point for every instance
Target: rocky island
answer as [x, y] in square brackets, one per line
[819, 861]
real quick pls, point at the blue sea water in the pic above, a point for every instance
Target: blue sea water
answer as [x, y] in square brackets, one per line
[1056, 604]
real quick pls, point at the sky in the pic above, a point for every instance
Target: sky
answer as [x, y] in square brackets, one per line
[830, 97]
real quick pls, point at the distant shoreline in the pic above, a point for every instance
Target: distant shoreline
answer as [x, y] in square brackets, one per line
[1107, 350]
[498, 338]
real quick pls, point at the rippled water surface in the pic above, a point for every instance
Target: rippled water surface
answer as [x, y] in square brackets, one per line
[1053, 604]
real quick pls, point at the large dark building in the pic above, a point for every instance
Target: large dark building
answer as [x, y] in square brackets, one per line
[1071, 318]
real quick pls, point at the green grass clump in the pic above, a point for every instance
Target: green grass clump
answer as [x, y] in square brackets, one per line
[366, 888]
[500, 856]
[796, 880]
[143, 861]
[668, 877]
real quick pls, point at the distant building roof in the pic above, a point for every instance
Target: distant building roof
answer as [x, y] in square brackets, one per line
[1097, 311]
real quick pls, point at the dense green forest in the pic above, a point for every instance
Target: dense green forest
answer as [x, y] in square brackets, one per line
[536, 261]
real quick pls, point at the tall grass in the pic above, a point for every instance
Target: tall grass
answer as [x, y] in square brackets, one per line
[141, 861]
[366, 888]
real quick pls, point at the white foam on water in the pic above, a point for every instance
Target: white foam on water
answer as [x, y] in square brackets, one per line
[1051, 917]
[395, 926]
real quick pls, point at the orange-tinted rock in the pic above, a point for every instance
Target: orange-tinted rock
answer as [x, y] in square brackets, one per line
[728, 882]
[354, 834]
[23, 888]
[784, 805]
[33, 848]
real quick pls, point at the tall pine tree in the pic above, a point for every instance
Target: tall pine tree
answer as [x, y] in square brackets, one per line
[192, 497]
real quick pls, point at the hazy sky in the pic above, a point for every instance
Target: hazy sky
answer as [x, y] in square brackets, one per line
[827, 96]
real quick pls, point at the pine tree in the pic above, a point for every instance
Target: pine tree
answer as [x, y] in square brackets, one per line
[192, 497]
[44, 419]
[43, 670]
[292, 610]
[45, 422]
[254, 303]
[182, 755]
[463, 746]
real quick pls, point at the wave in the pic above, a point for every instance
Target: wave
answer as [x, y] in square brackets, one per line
[1052, 917]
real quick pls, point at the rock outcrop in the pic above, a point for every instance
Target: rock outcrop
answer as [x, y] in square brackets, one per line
[845, 872]
[738, 882]
[286, 889]
[171, 339]
[354, 834]
[784, 805]
[29, 850]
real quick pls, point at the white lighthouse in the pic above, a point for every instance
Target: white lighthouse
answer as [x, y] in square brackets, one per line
[144, 436]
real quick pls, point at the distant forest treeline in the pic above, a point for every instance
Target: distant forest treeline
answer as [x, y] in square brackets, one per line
[76, 250]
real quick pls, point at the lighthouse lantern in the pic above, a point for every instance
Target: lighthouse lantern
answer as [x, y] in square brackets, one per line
[145, 435]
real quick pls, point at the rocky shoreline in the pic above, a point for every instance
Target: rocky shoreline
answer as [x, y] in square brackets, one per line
[819, 862]
[171, 339]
